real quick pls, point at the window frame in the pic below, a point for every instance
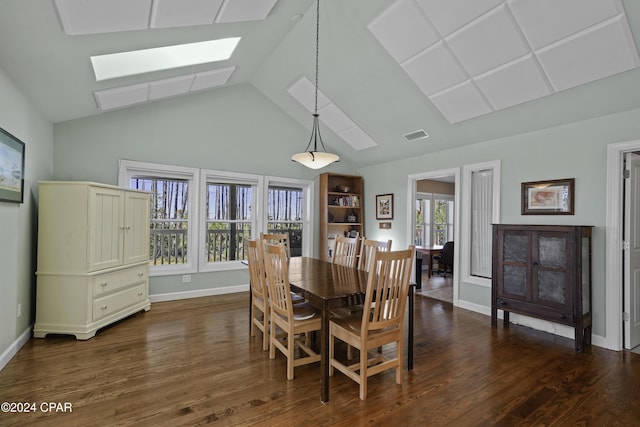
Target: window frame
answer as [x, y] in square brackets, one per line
[224, 177]
[467, 172]
[129, 169]
[307, 188]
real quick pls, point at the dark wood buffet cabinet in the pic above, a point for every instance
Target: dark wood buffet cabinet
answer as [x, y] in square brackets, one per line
[543, 271]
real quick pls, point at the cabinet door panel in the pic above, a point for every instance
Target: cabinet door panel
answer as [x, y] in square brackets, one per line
[552, 287]
[515, 281]
[105, 228]
[136, 228]
[515, 248]
[552, 251]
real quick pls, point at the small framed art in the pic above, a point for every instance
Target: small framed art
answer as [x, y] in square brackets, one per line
[384, 206]
[552, 197]
[11, 168]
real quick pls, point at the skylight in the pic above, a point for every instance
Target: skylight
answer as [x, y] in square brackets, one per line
[124, 64]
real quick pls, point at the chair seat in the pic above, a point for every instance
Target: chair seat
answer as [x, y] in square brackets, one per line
[304, 311]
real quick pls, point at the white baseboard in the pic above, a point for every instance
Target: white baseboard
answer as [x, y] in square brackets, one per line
[173, 296]
[534, 323]
[13, 349]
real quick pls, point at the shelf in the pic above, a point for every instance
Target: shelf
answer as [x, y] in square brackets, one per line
[344, 223]
[344, 207]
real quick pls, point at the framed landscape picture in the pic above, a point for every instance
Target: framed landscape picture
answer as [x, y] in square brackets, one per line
[384, 206]
[553, 197]
[11, 168]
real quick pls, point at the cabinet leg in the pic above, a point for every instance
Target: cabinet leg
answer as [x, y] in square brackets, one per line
[505, 319]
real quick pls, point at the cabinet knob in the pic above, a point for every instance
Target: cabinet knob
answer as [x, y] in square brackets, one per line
[141, 274]
[104, 307]
[127, 228]
[103, 284]
[502, 302]
[563, 316]
[139, 294]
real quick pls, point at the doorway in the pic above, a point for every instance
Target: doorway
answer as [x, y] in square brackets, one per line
[618, 319]
[433, 220]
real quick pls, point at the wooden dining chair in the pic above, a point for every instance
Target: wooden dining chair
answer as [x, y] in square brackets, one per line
[346, 251]
[295, 320]
[367, 249]
[386, 294]
[259, 294]
[275, 238]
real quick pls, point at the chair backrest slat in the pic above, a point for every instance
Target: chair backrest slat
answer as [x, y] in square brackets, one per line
[256, 268]
[367, 248]
[275, 260]
[275, 238]
[387, 289]
[346, 251]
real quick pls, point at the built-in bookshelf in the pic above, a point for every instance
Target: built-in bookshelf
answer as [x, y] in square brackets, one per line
[341, 209]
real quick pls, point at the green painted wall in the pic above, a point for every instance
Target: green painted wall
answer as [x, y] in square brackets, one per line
[232, 129]
[572, 151]
[18, 222]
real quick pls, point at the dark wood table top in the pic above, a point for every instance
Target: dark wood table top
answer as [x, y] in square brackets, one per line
[325, 280]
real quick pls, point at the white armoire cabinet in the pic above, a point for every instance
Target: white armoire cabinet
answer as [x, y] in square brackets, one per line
[93, 257]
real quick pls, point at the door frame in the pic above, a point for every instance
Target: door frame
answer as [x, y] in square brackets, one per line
[411, 216]
[614, 255]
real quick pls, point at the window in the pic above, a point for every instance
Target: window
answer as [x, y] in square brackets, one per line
[434, 219]
[199, 218]
[229, 204]
[482, 195]
[172, 239]
[228, 221]
[289, 210]
[285, 215]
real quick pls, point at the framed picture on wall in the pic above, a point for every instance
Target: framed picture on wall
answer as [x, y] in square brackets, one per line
[11, 168]
[384, 206]
[553, 197]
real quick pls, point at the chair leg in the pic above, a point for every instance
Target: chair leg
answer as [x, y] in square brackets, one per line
[331, 351]
[265, 335]
[363, 373]
[399, 357]
[252, 329]
[272, 336]
[290, 354]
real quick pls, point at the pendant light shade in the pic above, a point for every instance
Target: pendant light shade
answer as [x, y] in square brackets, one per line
[312, 158]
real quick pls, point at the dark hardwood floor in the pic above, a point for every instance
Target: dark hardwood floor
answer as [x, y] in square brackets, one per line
[192, 362]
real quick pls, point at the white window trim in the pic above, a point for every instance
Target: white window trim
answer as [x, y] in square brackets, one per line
[130, 168]
[307, 224]
[467, 171]
[256, 181]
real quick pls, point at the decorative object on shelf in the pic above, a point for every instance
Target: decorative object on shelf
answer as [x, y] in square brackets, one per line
[315, 159]
[351, 217]
[384, 206]
[11, 168]
[342, 189]
[330, 217]
[552, 197]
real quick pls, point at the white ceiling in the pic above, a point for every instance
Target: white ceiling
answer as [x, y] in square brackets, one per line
[497, 54]
[462, 70]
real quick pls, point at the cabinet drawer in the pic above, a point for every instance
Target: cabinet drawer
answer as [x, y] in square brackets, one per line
[120, 300]
[535, 310]
[105, 284]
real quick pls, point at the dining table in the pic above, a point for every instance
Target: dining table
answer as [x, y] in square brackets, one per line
[429, 252]
[327, 286]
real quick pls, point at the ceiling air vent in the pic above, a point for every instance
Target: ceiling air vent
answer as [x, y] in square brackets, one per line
[414, 136]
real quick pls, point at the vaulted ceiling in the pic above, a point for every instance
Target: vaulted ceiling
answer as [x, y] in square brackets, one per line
[461, 71]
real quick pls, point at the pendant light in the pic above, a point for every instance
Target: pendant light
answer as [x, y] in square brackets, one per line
[312, 158]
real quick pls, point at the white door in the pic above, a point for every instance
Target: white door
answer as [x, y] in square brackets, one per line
[632, 254]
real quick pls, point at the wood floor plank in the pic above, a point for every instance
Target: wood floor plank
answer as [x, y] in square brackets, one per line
[192, 362]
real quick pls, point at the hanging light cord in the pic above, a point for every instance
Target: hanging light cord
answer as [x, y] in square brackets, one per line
[315, 133]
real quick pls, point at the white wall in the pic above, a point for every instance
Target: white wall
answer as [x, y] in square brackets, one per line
[572, 151]
[232, 129]
[18, 222]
